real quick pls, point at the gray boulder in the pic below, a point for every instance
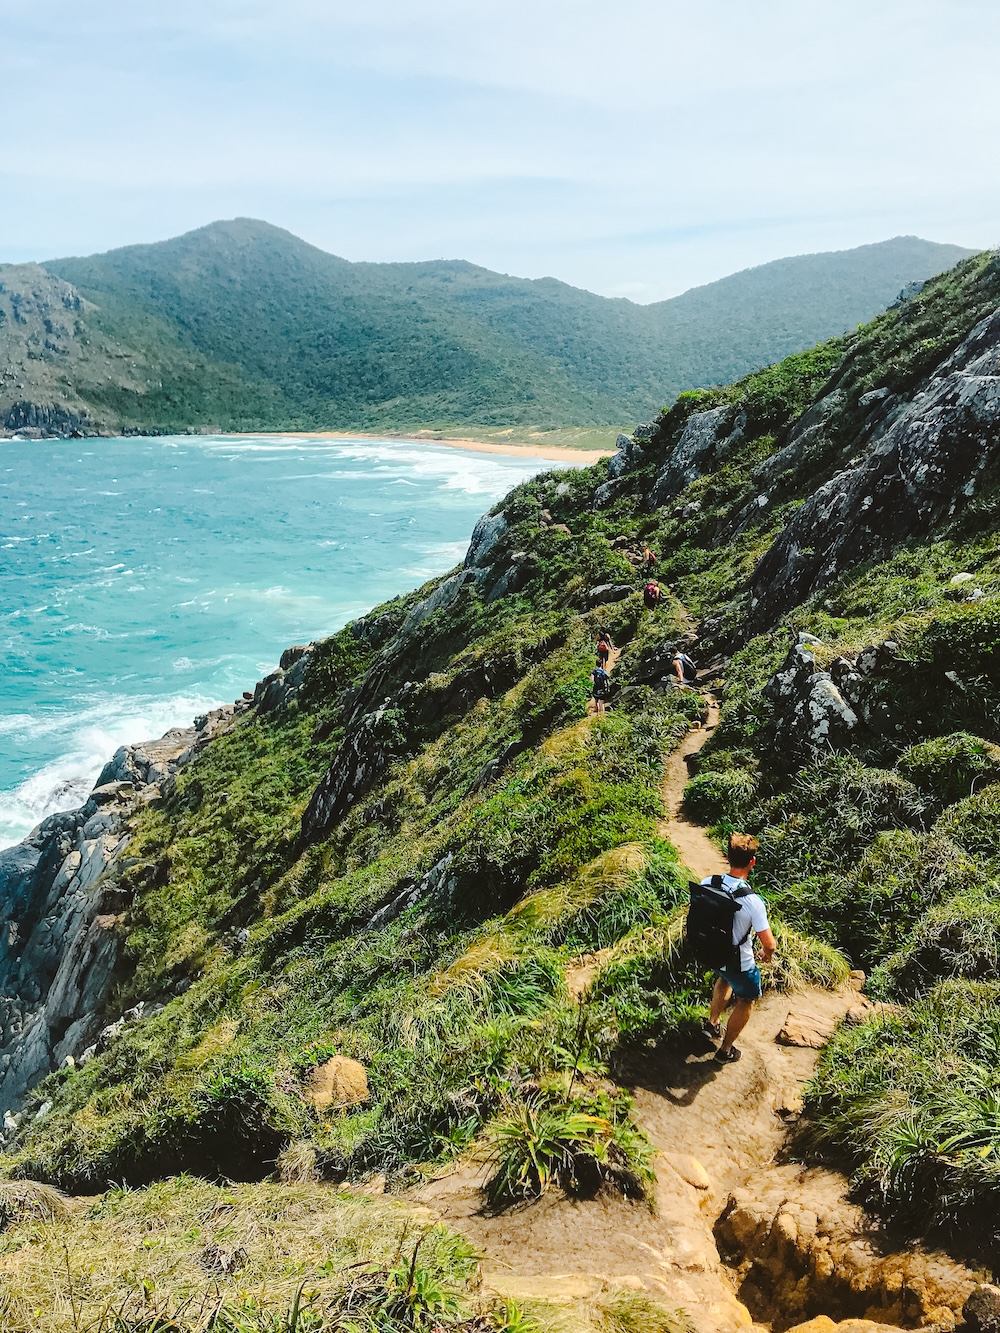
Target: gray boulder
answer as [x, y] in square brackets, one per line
[486, 536]
[981, 1311]
[924, 461]
[811, 713]
[627, 459]
[609, 592]
[704, 443]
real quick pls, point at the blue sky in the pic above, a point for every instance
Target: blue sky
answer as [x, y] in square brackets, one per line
[635, 147]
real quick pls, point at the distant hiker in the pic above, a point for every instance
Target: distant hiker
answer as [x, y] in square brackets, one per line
[601, 688]
[648, 559]
[651, 595]
[603, 652]
[683, 668]
[723, 916]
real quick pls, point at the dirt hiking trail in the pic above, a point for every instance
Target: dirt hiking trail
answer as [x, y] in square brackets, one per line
[733, 1236]
[695, 848]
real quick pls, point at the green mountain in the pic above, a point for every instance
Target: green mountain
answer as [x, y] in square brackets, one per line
[241, 325]
[410, 916]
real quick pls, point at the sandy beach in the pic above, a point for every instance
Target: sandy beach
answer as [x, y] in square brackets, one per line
[552, 453]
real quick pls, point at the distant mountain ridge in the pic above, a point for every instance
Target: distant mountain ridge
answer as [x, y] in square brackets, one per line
[241, 325]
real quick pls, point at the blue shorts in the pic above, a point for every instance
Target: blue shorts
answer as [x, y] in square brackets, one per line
[745, 985]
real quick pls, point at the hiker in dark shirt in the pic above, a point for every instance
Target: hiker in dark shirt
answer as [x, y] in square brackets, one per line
[600, 688]
[603, 651]
[685, 671]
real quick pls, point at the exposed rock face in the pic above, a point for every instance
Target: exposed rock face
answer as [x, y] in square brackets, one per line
[61, 905]
[799, 1249]
[63, 897]
[36, 419]
[925, 459]
[812, 713]
[704, 443]
[358, 764]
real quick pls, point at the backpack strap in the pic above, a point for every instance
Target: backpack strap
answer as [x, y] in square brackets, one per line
[737, 894]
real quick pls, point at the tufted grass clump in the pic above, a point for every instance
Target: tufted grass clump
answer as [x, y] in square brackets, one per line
[910, 1103]
[583, 1146]
[190, 1256]
[867, 908]
[958, 938]
[948, 768]
[974, 824]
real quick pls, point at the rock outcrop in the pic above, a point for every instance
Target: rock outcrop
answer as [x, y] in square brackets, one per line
[62, 902]
[800, 1250]
[923, 459]
[706, 440]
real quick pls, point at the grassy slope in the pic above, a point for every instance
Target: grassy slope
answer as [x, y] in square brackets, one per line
[458, 1008]
[325, 343]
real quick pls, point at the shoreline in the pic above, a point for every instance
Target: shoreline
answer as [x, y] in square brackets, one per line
[550, 452]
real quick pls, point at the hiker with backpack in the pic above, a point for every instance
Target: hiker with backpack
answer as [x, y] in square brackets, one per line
[600, 688]
[651, 595]
[723, 916]
[648, 559]
[603, 651]
[684, 669]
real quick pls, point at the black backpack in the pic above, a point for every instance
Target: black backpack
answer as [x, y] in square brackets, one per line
[687, 667]
[709, 928]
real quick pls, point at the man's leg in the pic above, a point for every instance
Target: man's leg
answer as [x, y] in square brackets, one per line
[742, 1010]
[720, 998]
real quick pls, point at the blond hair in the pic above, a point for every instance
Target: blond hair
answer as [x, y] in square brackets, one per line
[742, 849]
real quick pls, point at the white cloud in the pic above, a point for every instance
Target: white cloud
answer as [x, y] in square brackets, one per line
[633, 148]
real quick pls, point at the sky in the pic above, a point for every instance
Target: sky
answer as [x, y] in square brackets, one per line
[633, 147]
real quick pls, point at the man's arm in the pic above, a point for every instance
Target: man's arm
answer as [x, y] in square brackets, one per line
[768, 945]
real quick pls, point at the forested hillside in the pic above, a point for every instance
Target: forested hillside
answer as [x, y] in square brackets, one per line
[242, 326]
[413, 910]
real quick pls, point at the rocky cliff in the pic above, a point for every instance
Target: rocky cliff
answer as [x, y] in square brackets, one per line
[414, 847]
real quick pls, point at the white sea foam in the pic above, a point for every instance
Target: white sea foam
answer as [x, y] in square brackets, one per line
[92, 735]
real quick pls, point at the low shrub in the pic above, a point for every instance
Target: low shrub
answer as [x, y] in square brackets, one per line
[957, 938]
[911, 1104]
[582, 1146]
[714, 796]
[947, 768]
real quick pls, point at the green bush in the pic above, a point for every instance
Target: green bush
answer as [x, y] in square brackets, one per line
[712, 797]
[911, 1104]
[947, 768]
[959, 938]
[582, 1146]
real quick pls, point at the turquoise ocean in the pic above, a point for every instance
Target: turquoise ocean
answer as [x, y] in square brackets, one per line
[147, 580]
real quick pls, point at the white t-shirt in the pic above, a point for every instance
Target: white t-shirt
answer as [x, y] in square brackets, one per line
[751, 912]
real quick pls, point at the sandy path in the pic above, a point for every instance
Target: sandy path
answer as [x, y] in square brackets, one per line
[696, 849]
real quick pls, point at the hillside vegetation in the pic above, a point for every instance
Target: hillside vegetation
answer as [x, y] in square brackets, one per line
[401, 862]
[241, 326]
